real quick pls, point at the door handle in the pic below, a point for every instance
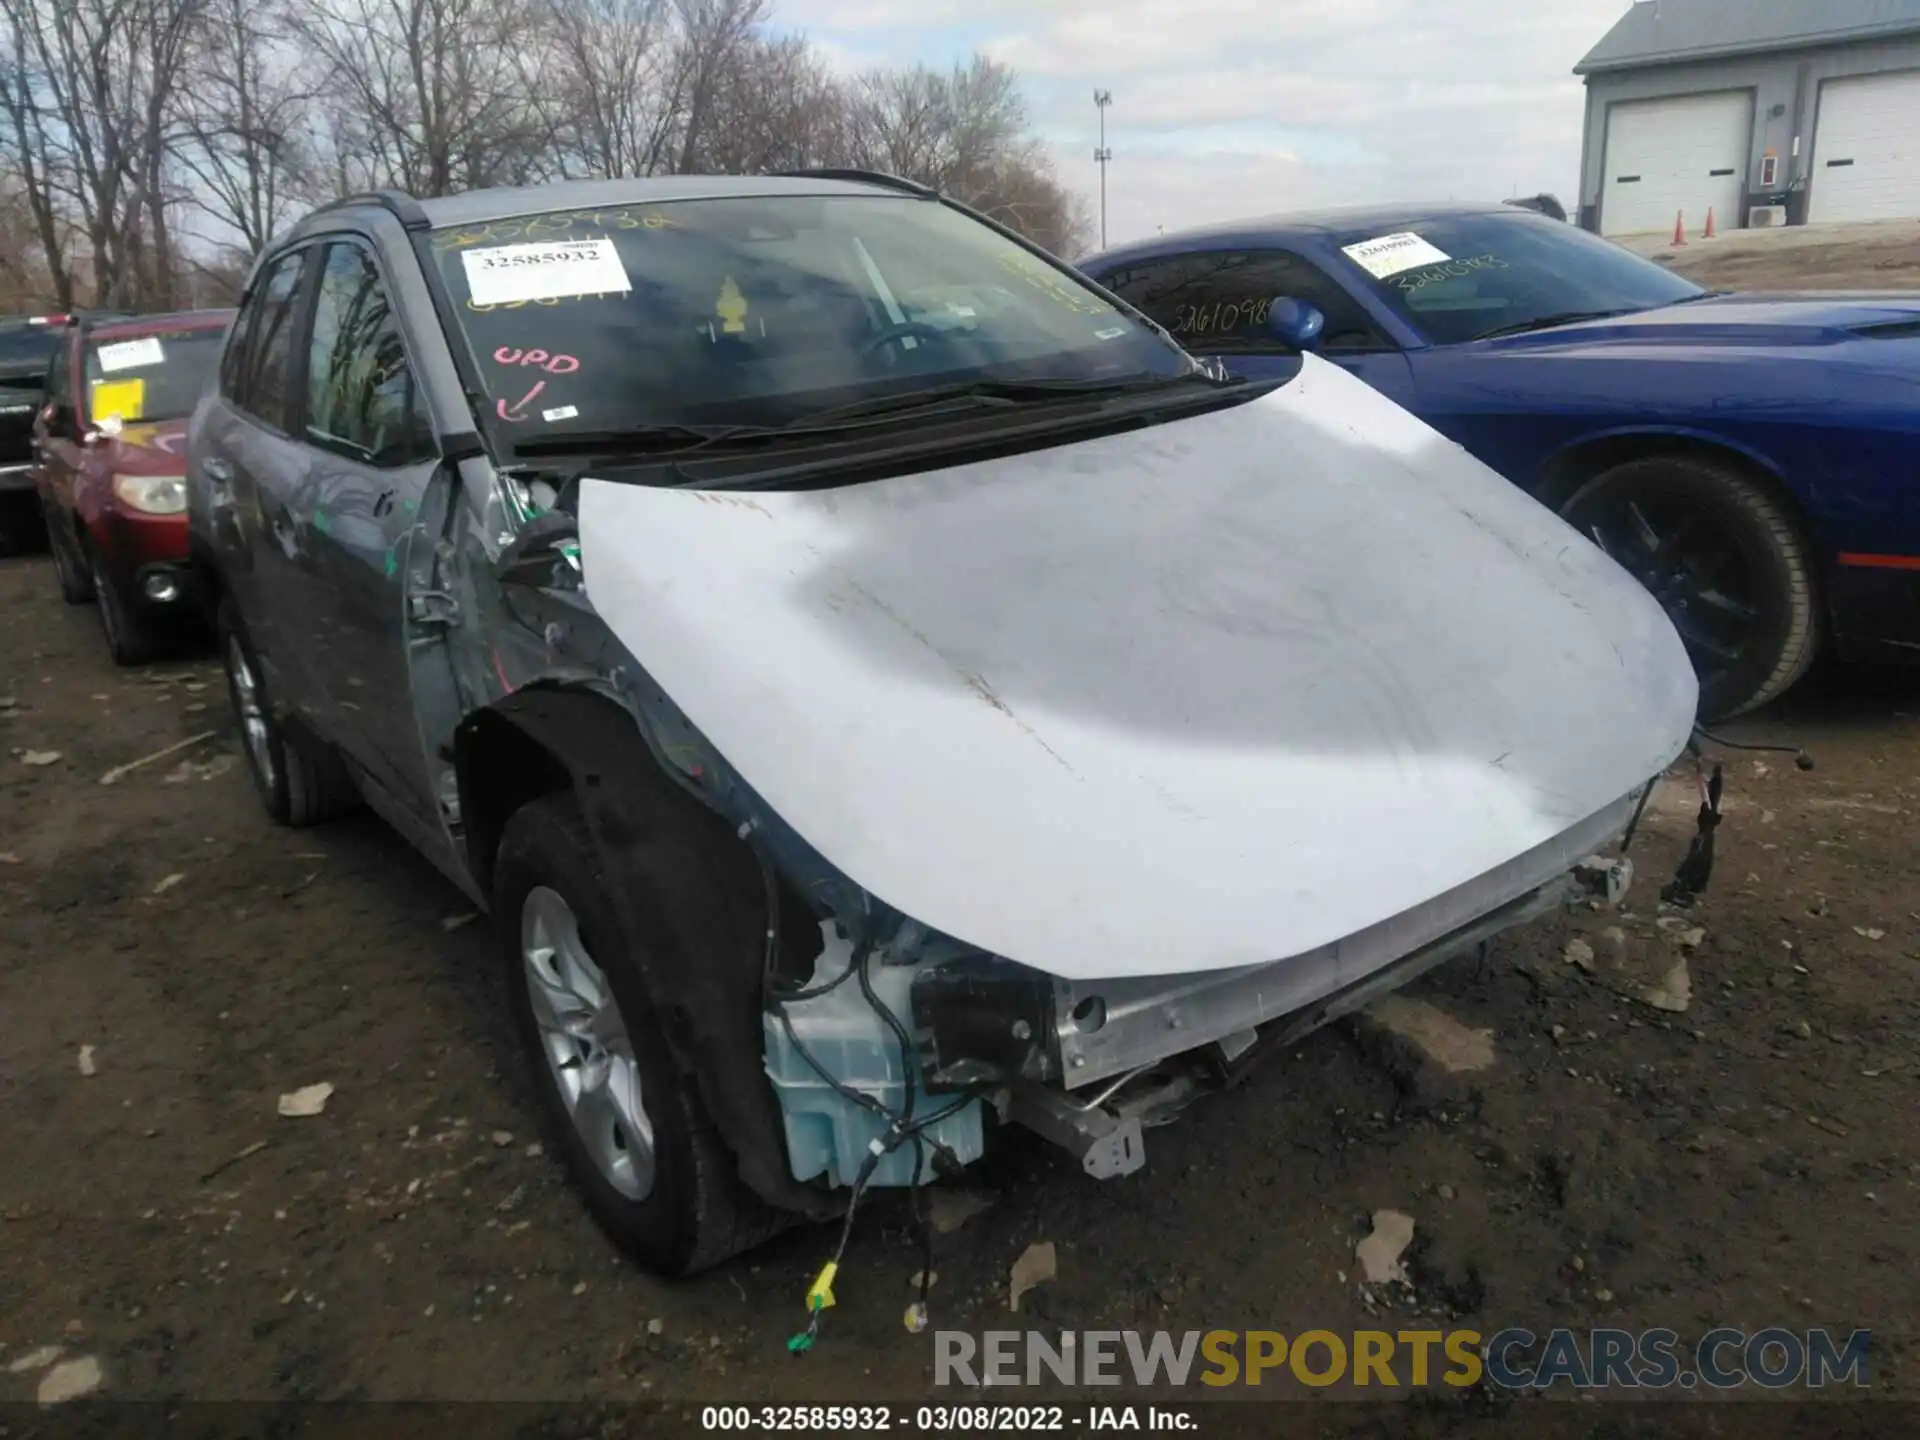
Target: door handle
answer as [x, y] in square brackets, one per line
[217, 470]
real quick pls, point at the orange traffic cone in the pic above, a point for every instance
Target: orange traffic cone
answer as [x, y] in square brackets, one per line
[1709, 234]
[1679, 227]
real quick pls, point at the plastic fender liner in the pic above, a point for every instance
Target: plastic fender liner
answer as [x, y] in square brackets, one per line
[701, 963]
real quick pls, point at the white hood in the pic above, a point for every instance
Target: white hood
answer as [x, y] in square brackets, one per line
[1215, 693]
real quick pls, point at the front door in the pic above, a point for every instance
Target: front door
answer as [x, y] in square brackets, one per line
[366, 515]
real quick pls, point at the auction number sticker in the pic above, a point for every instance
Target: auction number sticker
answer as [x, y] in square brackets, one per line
[131, 355]
[1390, 254]
[546, 270]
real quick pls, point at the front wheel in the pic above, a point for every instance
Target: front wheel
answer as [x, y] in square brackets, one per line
[76, 583]
[633, 1131]
[131, 637]
[1726, 562]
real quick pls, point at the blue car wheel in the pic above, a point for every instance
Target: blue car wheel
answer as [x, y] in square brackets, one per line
[1726, 561]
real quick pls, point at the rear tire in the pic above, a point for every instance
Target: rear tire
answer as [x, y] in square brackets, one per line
[1726, 561]
[692, 1211]
[131, 636]
[299, 783]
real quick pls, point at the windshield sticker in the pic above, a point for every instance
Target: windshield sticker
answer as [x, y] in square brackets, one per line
[1453, 270]
[1390, 254]
[561, 412]
[117, 401]
[131, 355]
[537, 359]
[544, 271]
[1112, 332]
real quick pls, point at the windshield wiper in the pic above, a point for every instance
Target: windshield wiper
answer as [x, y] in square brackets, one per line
[876, 409]
[643, 439]
[996, 393]
[1548, 322]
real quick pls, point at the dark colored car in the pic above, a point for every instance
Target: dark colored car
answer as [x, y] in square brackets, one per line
[27, 346]
[1751, 458]
[112, 469]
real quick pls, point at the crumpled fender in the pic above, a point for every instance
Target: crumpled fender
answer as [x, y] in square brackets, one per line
[700, 960]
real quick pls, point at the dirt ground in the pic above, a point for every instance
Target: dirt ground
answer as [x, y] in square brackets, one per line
[171, 963]
[1869, 255]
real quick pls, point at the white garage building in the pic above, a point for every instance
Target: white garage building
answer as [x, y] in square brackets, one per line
[1762, 111]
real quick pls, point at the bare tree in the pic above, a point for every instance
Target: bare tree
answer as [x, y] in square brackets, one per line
[98, 79]
[437, 88]
[28, 149]
[613, 116]
[777, 107]
[117, 117]
[242, 116]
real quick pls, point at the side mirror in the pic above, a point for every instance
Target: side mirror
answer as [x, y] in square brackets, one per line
[1295, 323]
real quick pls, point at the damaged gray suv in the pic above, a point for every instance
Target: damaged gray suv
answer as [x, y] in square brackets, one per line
[881, 687]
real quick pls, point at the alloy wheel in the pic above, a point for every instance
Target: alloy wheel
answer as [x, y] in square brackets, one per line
[588, 1048]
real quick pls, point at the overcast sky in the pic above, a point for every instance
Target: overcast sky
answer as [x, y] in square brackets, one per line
[1224, 108]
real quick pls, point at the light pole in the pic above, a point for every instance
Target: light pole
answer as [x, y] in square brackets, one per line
[1101, 100]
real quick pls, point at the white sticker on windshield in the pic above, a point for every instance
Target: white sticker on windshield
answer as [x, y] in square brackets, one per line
[560, 412]
[1390, 254]
[549, 270]
[131, 355]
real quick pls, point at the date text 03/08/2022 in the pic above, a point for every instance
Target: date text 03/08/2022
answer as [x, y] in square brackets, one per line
[960, 1419]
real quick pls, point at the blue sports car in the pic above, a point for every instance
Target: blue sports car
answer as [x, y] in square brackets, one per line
[1753, 459]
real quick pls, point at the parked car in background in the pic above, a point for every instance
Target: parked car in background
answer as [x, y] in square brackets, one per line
[746, 586]
[1749, 457]
[111, 473]
[27, 345]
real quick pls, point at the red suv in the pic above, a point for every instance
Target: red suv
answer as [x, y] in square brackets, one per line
[110, 446]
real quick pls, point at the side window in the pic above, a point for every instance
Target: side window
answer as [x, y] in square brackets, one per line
[360, 392]
[1216, 303]
[264, 383]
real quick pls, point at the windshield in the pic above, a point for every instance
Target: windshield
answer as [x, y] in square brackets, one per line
[28, 347]
[150, 377]
[1461, 277]
[762, 310]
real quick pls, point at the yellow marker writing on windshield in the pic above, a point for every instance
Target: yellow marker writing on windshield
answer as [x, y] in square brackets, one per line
[731, 307]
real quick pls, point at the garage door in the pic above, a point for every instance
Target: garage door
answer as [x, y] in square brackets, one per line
[1686, 154]
[1866, 149]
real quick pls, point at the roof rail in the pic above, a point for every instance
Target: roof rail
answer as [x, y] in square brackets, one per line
[864, 177]
[402, 206]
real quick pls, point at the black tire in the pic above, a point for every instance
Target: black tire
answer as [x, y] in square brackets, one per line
[23, 530]
[1726, 560]
[76, 583]
[697, 1212]
[299, 782]
[132, 638]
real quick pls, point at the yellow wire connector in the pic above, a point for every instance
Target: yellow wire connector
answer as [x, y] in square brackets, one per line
[820, 1294]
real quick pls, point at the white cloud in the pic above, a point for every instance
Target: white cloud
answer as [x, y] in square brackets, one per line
[1243, 107]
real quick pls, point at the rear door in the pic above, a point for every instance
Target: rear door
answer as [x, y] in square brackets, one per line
[250, 466]
[363, 504]
[1215, 304]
